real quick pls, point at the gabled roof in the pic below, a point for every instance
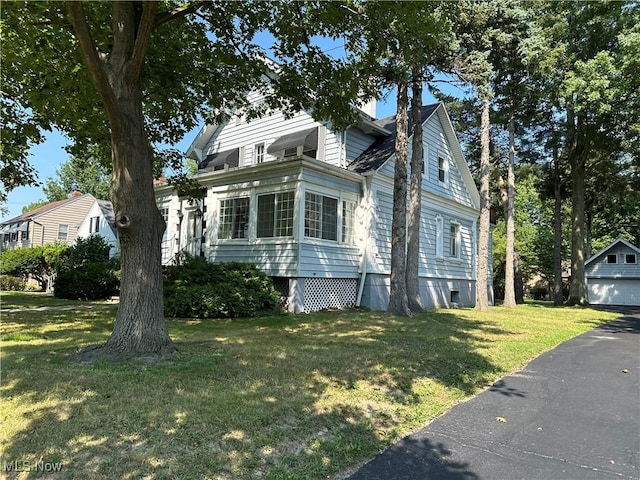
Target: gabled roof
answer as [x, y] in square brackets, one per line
[610, 246]
[381, 150]
[106, 207]
[374, 157]
[45, 209]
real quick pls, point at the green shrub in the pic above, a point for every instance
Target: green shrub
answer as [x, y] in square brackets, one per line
[90, 281]
[93, 249]
[199, 289]
[8, 282]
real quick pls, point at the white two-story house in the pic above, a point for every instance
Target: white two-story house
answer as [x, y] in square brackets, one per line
[312, 207]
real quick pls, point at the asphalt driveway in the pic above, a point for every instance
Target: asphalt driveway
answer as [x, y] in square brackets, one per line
[571, 414]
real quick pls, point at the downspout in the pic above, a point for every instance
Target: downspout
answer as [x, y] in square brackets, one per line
[366, 188]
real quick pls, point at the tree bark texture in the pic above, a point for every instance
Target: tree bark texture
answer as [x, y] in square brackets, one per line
[509, 285]
[415, 196]
[577, 157]
[558, 298]
[140, 328]
[398, 301]
[482, 294]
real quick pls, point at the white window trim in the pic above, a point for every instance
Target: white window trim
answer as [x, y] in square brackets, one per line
[439, 238]
[255, 152]
[445, 159]
[218, 216]
[458, 239]
[635, 255]
[275, 217]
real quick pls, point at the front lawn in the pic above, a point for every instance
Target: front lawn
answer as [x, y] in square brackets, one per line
[12, 300]
[288, 397]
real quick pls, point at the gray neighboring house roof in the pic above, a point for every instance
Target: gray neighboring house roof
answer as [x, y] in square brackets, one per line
[106, 207]
[379, 152]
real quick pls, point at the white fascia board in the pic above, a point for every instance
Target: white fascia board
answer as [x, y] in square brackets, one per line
[200, 142]
[609, 247]
[458, 155]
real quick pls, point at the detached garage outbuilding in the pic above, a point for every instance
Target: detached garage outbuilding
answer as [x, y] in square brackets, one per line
[613, 275]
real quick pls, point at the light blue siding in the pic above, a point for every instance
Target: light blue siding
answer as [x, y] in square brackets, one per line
[356, 143]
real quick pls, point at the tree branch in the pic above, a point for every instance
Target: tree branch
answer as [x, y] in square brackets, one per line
[143, 35]
[92, 59]
[178, 12]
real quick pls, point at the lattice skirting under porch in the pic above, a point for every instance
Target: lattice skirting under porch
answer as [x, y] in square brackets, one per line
[323, 293]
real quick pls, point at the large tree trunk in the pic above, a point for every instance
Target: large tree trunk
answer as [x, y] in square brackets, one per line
[415, 197]
[140, 328]
[558, 298]
[482, 294]
[577, 157]
[509, 286]
[398, 301]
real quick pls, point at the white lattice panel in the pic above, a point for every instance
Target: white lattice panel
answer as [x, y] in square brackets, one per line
[321, 293]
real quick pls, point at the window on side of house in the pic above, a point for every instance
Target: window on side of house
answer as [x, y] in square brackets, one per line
[454, 241]
[320, 217]
[442, 169]
[425, 160]
[630, 258]
[439, 237]
[348, 216]
[25, 235]
[234, 218]
[612, 258]
[258, 153]
[94, 224]
[275, 215]
[63, 231]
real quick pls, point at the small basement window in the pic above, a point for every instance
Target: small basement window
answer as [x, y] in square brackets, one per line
[612, 258]
[630, 258]
[455, 298]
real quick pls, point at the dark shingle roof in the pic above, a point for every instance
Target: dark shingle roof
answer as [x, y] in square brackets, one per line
[380, 151]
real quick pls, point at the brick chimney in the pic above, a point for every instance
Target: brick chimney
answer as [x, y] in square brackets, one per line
[75, 194]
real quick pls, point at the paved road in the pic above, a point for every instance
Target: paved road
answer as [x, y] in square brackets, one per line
[572, 414]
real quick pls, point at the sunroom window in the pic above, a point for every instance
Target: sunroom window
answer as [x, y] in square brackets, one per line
[234, 218]
[320, 217]
[275, 215]
[348, 215]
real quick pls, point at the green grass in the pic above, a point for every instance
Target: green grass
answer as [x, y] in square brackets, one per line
[13, 300]
[288, 397]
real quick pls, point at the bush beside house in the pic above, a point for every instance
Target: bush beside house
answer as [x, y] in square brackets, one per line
[85, 271]
[199, 289]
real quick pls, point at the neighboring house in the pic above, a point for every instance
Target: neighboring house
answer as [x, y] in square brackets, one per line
[56, 221]
[613, 275]
[312, 207]
[100, 220]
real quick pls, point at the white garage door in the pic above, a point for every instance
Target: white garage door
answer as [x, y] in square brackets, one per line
[603, 291]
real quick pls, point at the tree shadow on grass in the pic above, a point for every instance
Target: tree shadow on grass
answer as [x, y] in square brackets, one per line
[283, 397]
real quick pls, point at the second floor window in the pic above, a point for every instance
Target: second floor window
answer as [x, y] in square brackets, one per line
[442, 170]
[94, 224]
[234, 218]
[320, 217]
[63, 231]
[275, 215]
[258, 153]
